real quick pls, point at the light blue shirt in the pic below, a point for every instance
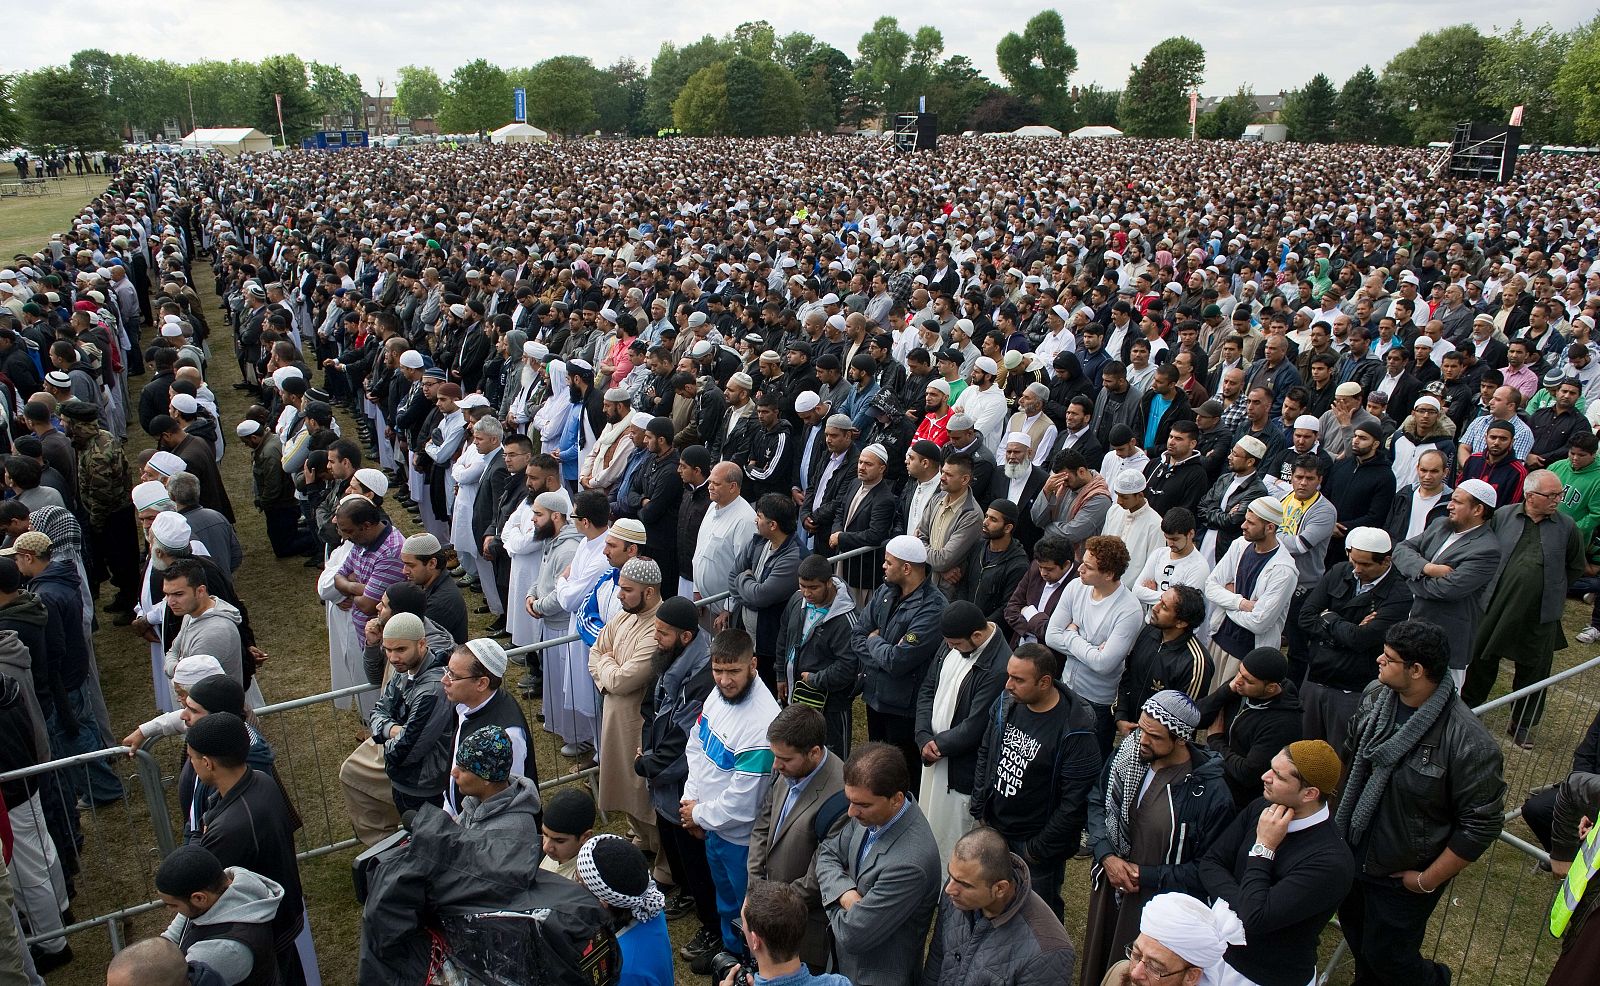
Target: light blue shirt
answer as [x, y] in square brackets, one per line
[874, 833]
[795, 788]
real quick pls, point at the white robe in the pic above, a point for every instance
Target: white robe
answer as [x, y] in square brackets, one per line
[946, 810]
[517, 537]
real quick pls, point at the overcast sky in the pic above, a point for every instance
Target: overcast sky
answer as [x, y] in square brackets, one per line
[1268, 46]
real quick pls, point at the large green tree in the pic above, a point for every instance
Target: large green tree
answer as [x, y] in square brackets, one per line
[1309, 111]
[10, 119]
[670, 72]
[58, 108]
[1229, 118]
[1155, 102]
[338, 91]
[884, 52]
[418, 93]
[285, 76]
[1362, 113]
[619, 97]
[1440, 77]
[1521, 70]
[561, 95]
[755, 39]
[833, 67]
[1038, 62]
[701, 109]
[477, 98]
[1094, 106]
[1577, 84]
[137, 93]
[956, 91]
[225, 94]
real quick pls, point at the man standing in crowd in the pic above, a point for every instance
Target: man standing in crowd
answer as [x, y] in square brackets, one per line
[879, 878]
[1251, 588]
[1250, 719]
[412, 718]
[895, 641]
[1412, 828]
[804, 805]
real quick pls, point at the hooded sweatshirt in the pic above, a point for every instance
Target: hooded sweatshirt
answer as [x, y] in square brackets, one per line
[1580, 498]
[554, 557]
[66, 652]
[514, 811]
[214, 632]
[27, 616]
[22, 738]
[251, 901]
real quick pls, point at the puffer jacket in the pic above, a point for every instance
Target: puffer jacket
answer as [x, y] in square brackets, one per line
[1025, 945]
[1448, 793]
[514, 810]
[418, 760]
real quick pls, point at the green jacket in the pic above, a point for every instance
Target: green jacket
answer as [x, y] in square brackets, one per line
[273, 486]
[103, 478]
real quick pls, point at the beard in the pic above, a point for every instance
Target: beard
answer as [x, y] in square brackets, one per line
[664, 658]
[744, 693]
[1016, 470]
[544, 531]
[574, 393]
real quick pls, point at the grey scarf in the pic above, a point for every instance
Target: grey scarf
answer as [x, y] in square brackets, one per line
[1379, 749]
[1124, 779]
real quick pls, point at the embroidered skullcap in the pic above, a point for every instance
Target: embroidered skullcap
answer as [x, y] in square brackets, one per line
[1174, 710]
[629, 530]
[373, 480]
[644, 571]
[488, 652]
[487, 753]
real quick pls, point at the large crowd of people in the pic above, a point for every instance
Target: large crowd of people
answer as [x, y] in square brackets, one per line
[1168, 504]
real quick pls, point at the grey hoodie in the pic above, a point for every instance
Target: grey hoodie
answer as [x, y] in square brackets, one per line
[514, 811]
[554, 556]
[250, 899]
[214, 632]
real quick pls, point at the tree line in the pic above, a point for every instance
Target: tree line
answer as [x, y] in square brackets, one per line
[753, 81]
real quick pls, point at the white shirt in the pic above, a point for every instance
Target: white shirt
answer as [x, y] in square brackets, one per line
[1420, 505]
[919, 501]
[987, 409]
[724, 534]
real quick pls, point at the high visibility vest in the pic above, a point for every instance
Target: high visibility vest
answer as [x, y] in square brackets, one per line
[1578, 876]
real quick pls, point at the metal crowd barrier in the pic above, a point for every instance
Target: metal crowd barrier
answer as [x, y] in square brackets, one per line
[307, 762]
[1490, 929]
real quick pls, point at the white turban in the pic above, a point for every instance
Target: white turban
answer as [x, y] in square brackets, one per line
[151, 494]
[171, 531]
[1197, 934]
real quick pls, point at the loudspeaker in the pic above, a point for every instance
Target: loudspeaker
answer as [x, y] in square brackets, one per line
[916, 131]
[1484, 151]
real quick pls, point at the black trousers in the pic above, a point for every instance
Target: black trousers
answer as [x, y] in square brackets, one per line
[1539, 812]
[899, 731]
[114, 554]
[1385, 924]
[410, 802]
[686, 857]
[284, 533]
[1299, 640]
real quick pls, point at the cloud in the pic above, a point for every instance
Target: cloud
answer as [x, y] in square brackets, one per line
[1266, 46]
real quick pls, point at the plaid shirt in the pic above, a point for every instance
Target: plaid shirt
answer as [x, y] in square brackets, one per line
[377, 566]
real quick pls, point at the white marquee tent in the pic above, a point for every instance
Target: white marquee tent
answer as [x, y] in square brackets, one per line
[1096, 132]
[519, 133]
[1036, 130]
[231, 141]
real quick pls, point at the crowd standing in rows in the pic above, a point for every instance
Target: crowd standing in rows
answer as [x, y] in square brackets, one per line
[1166, 503]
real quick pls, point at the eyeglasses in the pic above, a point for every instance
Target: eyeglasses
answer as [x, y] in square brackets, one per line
[450, 675]
[1542, 493]
[1138, 958]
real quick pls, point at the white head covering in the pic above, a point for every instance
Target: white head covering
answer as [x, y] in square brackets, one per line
[192, 670]
[151, 494]
[551, 419]
[908, 549]
[373, 480]
[171, 531]
[1198, 934]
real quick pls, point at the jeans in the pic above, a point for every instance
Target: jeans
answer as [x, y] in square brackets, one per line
[95, 782]
[730, 872]
[1384, 923]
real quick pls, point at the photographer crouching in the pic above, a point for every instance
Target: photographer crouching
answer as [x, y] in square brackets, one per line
[774, 924]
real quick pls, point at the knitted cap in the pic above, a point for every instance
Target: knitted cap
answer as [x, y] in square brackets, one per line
[570, 811]
[221, 734]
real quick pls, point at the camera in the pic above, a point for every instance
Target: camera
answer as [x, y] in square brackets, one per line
[725, 962]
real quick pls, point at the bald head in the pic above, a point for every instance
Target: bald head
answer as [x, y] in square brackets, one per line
[152, 962]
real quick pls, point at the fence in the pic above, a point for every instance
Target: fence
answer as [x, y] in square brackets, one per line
[1490, 929]
[301, 732]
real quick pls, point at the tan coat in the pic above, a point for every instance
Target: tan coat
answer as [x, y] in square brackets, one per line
[619, 662]
[790, 856]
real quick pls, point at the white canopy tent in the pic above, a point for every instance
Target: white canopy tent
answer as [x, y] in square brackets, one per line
[231, 141]
[1036, 130]
[1096, 132]
[519, 133]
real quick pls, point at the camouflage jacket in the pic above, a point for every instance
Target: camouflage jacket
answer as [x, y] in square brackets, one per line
[103, 478]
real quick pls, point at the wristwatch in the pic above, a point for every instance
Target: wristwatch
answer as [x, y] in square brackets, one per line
[1260, 850]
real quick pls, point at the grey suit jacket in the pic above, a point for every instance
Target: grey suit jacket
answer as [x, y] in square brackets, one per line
[1456, 601]
[790, 854]
[879, 941]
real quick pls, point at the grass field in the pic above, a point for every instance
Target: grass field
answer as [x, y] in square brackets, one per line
[1498, 905]
[26, 222]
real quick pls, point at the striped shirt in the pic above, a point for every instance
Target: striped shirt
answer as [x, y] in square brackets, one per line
[377, 566]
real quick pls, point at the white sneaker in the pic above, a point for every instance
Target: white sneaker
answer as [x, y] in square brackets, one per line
[1589, 635]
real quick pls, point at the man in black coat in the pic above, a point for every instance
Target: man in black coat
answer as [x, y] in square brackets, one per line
[486, 501]
[864, 517]
[515, 455]
[694, 468]
[834, 469]
[1177, 477]
[654, 497]
[1361, 486]
[998, 560]
[1250, 719]
[773, 451]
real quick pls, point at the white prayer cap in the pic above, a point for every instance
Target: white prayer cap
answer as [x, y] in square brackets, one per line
[1020, 438]
[489, 654]
[1129, 481]
[1373, 539]
[907, 549]
[373, 481]
[1269, 509]
[151, 494]
[986, 365]
[1309, 422]
[247, 427]
[185, 404]
[171, 330]
[283, 373]
[1427, 400]
[411, 359]
[1480, 491]
[878, 452]
[555, 501]
[806, 402]
[171, 531]
[630, 530]
[640, 419]
[194, 669]
[166, 463]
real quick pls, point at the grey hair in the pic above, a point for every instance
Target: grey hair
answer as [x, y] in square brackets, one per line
[184, 489]
[987, 848]
[1531, 480]
[490, 426]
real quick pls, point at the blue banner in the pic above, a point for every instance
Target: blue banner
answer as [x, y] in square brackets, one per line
[520, 99]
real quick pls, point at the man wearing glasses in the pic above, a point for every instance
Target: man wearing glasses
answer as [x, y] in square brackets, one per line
[1181, 943]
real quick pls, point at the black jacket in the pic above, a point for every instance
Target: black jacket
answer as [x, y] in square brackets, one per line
[1361, 490]
[1448, 792]
[659, 491]
[832, 501]
[1253, 733]
[253, 826]
[773, 455]
[491, 490]
[827, 654]
[1181, 485]
[1155, 665]
[980, 688]
[894, 661]
[1343, 648]
[871, 525]
[1399, 520]
[996, 578]
[1178, 410]
[692, 507]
